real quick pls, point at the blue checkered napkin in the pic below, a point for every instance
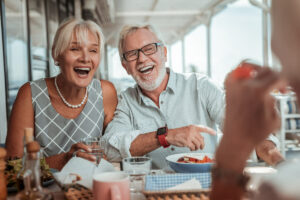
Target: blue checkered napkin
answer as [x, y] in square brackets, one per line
[164, 181]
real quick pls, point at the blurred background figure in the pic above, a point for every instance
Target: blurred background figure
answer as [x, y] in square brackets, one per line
[260, 115]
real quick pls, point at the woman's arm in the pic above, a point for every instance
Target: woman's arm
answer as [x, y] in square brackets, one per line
[110, 101]
[22, 116]
[79, 149]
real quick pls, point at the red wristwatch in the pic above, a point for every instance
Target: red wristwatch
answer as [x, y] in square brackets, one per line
[161, 135]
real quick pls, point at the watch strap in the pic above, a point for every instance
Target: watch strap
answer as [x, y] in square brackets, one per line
[161, 136]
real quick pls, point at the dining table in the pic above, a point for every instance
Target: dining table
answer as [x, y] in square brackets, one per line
[59, 194]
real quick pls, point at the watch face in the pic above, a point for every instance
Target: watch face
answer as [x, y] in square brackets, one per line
[161, 131]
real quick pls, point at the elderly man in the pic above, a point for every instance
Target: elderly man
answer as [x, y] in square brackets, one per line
[166, 112]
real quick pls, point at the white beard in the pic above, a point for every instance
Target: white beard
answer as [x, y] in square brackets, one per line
[152, 85]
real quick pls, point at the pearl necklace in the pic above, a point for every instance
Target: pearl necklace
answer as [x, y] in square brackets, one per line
[65, 101]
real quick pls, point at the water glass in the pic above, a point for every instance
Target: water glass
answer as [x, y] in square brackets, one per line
[137, 168]
[97, 146]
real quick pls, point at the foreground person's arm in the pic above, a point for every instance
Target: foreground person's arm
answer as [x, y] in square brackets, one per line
[250, 117]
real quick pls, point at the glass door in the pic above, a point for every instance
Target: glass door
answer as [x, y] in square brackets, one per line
[16, 47]
[3, 121]
[38, 39]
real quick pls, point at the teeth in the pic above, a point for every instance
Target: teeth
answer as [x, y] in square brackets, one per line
[83, 68]
[145, 68]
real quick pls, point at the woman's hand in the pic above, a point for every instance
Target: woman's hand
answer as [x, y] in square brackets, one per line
[80, 150]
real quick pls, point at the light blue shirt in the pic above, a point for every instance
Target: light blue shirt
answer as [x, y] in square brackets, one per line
[188, 99]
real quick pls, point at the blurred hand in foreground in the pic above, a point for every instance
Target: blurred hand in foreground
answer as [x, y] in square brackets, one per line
[250, 110]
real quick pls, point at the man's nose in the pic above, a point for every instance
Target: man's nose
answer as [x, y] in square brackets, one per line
[142, 57]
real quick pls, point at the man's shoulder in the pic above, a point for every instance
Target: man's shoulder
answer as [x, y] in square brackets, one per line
[130, 93]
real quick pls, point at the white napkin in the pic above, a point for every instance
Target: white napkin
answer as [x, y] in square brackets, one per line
[84, 168]
[192, 184]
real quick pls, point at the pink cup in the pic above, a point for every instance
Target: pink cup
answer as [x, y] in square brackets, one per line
[111, 186]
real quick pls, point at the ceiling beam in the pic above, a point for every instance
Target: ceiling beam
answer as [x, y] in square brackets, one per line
[152, 9]
[158, 13]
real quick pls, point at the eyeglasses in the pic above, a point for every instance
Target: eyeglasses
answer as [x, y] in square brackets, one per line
[147, 50]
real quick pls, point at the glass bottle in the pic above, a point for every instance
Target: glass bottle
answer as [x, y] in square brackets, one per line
[31, 177]
[28, 137]
[3, 192]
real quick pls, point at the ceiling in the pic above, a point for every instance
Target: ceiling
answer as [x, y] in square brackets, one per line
[172, 18]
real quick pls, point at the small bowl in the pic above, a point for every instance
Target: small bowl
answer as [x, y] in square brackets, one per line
[189, 167]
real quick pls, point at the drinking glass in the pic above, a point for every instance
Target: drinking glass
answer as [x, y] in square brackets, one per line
[137, 168]
[97, 146]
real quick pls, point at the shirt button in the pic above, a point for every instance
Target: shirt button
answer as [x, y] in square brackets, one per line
[172, 149]
[161, 102]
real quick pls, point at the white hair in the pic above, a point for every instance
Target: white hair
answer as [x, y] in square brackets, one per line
[78, 29]
[126, 30]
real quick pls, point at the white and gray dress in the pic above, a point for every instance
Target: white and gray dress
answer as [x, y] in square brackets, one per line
[55, 133]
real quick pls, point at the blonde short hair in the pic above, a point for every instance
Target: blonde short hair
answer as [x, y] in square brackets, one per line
[126, 30]
[78, 29]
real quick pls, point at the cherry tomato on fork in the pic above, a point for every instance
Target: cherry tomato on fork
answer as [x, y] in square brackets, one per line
[243, 71]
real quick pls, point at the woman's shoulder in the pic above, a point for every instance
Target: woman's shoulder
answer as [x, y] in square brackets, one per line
[24, 89]
[24, 94]
[107, 85]
[109, 90]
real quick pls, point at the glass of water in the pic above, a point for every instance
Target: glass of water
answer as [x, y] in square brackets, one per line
[97, 146]
[137, 168]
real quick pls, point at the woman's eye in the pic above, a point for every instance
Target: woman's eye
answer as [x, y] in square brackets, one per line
[94, 50]
[74, 49]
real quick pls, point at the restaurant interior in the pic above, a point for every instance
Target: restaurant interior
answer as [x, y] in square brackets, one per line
[195, 32]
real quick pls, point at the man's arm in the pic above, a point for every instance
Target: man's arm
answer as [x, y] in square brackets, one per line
[187, 136]
[124, 140]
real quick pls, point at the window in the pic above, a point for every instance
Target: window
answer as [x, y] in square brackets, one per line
[196, 51]
[52, 23]
[117, 74]
[38, 39]
[176, 56]
[236, 35]
[16, 42]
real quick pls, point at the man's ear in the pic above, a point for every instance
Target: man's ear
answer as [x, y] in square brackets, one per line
[165, 53]
[124, 65]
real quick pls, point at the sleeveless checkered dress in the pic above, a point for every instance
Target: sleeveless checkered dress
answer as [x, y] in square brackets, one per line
[55, 133]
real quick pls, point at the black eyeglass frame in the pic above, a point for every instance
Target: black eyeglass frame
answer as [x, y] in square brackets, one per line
[141, 49]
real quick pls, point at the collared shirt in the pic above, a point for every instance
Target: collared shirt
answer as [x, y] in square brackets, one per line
[188, 99]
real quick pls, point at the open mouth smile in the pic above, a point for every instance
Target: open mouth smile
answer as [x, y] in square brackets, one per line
[82, 70]
[146, 69]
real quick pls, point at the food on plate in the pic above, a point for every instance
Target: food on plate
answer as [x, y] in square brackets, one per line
[189, 159]
[14, 166]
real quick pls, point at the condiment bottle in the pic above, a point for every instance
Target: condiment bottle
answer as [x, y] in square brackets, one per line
[28, 137]
[32, 174]
[3, 191]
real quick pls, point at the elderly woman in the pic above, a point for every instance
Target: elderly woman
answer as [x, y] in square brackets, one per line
[71, 106]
